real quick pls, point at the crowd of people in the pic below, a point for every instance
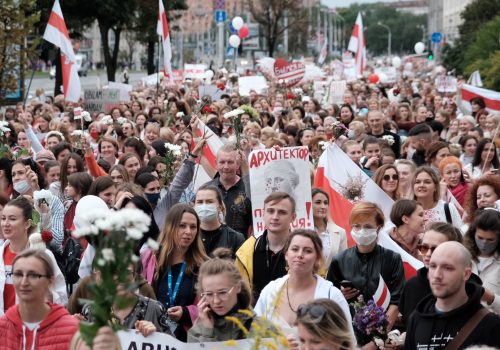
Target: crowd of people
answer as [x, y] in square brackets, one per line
[434, 158]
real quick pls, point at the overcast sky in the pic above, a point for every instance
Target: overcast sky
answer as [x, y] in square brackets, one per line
[347, 3]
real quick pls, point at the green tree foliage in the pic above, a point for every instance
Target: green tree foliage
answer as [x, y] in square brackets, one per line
[17, 19]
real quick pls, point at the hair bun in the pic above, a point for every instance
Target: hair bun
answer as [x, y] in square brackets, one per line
[223, 253]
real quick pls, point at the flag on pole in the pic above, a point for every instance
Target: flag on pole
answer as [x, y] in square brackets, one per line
[323, 52]
[57, 34]
[357, 45]
[491, 98]
[162, 31]
[346, 184]
[382, 295]
[475, 79]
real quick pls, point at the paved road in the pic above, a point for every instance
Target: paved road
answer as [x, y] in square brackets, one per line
[93, 80]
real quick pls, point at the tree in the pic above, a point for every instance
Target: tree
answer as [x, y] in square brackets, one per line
[17, 19]
[270, 15]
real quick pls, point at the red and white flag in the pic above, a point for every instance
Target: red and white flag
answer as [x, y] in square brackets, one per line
[382, 295]
[346, 184]
[209, 154]
[57, 34]
[490, 97]
[162, 31]
[357, 45]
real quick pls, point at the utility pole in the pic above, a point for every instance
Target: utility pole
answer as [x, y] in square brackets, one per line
[285, 34]
[330, 33]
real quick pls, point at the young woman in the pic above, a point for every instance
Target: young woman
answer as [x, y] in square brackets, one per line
[118, 174]
[108, 150]
[151, 133]
[280, 299]
[453, 180]
[387, 178]
[333, 237]
[484, 193]
[223, 293]
[322, 325]
[485, 160]
[78, 187]
[406, 169]
[173, 270]
[469, 145]
[132, 163]
[483, 241]
[16, 225]
[354, 150]
[427, 191]
[34, 321]
[73, 163]
[436, 151]
[104, 187]
[52, 172]
[346, 115]
[408, 219]
[214, 232]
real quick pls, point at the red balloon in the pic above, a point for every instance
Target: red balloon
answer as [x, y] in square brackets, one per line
[243, 32]
[373, 78]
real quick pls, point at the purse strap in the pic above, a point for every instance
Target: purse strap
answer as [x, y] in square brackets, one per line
[467, 329]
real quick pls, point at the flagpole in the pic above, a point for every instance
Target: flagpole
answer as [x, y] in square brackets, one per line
[32, 76]
[158, 70]
[489, 149]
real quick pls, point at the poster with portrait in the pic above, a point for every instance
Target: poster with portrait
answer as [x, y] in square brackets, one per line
[286, 170]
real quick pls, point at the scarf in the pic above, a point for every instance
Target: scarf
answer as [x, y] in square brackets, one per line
[459, 192]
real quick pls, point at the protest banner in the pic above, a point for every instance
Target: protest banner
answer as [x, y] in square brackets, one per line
[337, 90]
[388, 72]
[285, 170]
[125, 89]
[446, 83]
[211, 90]
[321, 88]
[338, 69]
[150, 80]
[257, 83]
[194, 71]
[133, 340]
[101, 100]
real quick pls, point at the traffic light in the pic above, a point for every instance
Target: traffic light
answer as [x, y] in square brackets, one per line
[430, 55]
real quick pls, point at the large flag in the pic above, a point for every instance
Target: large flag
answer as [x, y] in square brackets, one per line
[346, 184]
[162, 30]
[490, 97]
[357, 45]
[57, 34]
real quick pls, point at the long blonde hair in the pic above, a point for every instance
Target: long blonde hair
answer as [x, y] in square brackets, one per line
[195, 255]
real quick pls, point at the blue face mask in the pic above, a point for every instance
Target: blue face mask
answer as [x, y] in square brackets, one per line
[152, 198]
[485, 246]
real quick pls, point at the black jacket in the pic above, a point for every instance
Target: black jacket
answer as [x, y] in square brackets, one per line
[363, 270]
[417, 288]
[223, 237]
[431, 329]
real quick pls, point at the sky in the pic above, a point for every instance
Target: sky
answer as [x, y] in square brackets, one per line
[347, 3]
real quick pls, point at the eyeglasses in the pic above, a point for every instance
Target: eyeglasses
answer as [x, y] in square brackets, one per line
[395, 177]
[31, 276]
[424, 248]
[316, 311]
[223, 295]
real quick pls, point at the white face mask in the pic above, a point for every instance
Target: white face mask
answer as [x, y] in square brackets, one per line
[206, 212]
[365, 236]
[351, 134]
[22, 187]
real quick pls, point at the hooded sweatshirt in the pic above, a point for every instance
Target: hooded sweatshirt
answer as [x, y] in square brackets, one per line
[429, 328]
[53, 333]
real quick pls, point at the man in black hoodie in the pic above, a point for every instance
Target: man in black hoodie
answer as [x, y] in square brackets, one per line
[440, 316]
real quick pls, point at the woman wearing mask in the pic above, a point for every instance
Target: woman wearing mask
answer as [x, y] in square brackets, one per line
[34, 321]
[16, 225]
[173, 270]
[357, 270]
[223, 293]
[483, 241]
[387, 178]
[214, 232]
[408, 219]
[453, 180]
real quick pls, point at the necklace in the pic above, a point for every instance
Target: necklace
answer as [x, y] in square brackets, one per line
[288, 299]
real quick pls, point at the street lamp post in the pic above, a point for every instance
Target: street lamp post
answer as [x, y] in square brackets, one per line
[389, 37]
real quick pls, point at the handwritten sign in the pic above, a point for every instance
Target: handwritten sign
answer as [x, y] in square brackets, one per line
[100, 100]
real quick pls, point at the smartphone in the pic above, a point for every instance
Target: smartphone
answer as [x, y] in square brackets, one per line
[346, 284]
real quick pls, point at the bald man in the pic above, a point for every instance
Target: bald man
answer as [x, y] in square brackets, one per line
[442, 314]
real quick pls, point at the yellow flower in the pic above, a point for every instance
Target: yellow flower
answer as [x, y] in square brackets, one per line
[231, 342]
[238, 323]
[270, 345]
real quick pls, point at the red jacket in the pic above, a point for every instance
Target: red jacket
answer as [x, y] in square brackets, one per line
[54, 333]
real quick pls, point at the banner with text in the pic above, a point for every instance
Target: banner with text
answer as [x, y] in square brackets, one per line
[337, 90]
[285, 170]
[99, 100]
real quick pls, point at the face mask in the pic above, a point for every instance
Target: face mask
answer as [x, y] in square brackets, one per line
[206, 212]
[152, 197]
[486, 247]
[94, 135]
[22, 187]
[365, 236]
[350, 134]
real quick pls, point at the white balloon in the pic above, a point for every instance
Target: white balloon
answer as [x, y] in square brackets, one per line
[234, 40]
[419, 47]
[237, 22]
[396, 62]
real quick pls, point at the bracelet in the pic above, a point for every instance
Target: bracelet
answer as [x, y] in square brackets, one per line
[192, 155]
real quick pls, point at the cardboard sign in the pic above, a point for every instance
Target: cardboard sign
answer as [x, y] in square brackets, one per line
[285, 170]
[194, 71]
[446, 83]
[255, 82]
[211, 90]
[124, 89]
[338, 69]
[99, 100]
[290, 73]
[321, 88]
[150, 80]
[388, 72]
[337, 90]
[349, 64]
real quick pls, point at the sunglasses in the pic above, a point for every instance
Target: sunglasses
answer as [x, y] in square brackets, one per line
[394, 177]
[424, 248]
[316, 311]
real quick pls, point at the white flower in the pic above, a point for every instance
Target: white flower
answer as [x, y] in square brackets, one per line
[77, 133]
[179, 114]
[175, 149]
[122, 120]
[135, 258]
[107, 119]
[134, 233]
[233, 113]
[389, 139]
[323, 144]
[86, 116]
[101, 262]
[152, 244]
[107, 254]
[4, 127]
[43, 195]
[87, 230]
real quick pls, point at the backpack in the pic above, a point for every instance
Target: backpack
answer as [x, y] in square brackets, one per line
[72, 255]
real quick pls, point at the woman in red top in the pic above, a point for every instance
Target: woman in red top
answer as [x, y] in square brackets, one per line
[35, 323]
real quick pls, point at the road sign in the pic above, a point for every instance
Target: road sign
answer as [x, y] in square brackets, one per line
[436, 37]
[220, 16]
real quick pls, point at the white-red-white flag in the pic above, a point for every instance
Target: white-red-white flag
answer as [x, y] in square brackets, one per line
[382, 295]
[491, 98]
[357, 45]
[57, 34]
[346, 184]
[162, 31]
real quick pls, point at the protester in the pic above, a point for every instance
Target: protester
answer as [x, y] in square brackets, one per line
[407, 215]
[485, 160]
[484, 193]
[453, 180]
[387, 178]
